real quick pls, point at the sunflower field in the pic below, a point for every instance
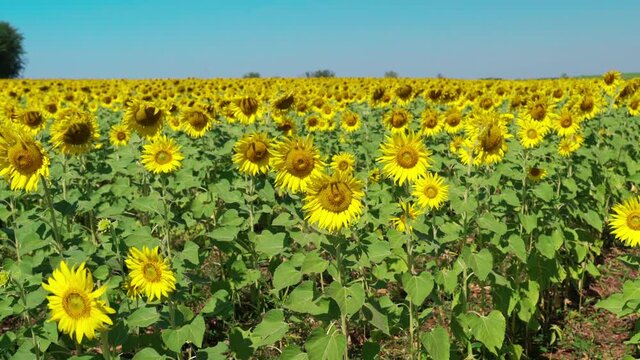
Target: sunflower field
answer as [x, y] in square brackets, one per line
[310, 218]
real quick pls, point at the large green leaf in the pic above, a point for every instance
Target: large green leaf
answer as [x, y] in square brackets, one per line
[349, 298]
[285, 275]
[143, 317]
[489, 330]
[418, 287]
[326, 346]
[271, 329]
[437, 343]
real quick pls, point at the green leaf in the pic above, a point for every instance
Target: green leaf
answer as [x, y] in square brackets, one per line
[323, 346]
[240, 344]
[190, 252]
[293, 352]
[224, 233]
[529, 222]
[283, 219]
[194, 333]
[213, 353]
[313, 263]
[218, 304]
[349, 299]
[614, 303]
[544, 191]
[517, 247]
[593, 219]
[270, 244]
[143, 317]
[418, 287]
[271, 329]
[489, 330]
[437, 343]
[197, 329]
[481, 263]
[376, 317]
[285, 275]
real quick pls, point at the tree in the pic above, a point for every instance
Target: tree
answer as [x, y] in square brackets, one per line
[391, 74]
[326, 73]
[11, 51]
[251, 75]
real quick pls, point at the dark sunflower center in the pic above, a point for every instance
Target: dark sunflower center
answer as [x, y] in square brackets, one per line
[151, 272]
[634, 104]
[327, 110]
[77, 134]
[609, 78]
[26, 158]
[532, 134]
[343, 165]
[407, 157]
[587, 104]
[32, 119]
[633, 221]
[148, 116]
[76, 305]
[121, 136]
[566, 121]
[300, 162]
[52, 108]
[248, 106]
[404, 92]
[351, 120]
[163, 157]
[398, 119]
[377, 94]
[312, 122]
[558, 93]
[430, 121]
[284, 103]
[335, 197]
[256, 151]
[197, 120]
[492, 140]
[535, 172]
[486, 103]
[431, 192]
[453, 119]
[538, 112]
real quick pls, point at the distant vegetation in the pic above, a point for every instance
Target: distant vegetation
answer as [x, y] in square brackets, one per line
[326, 73]
[11, 51]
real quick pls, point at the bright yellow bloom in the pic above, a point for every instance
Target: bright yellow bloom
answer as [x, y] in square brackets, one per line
[404, 157]
[296, 161]
[343, 162]
[119, 135]
[397, 120]
[430, 191]
[74, 304]
[409, 212]
[350, 121]
[536, 174]
[150, 273]
[22, 159]
[626, 222]
[531, 133]
[196, 122]
[162, 155]
[253, 154]
[144, 118]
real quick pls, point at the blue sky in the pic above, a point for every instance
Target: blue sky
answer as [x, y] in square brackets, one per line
[465, 39]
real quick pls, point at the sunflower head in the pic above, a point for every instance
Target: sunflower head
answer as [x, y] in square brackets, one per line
[404, 157]
[162, 155]
[150, 273]
[343, 162]
[296, 161]
[626, 221]
[119, 135]
[430, 191]
[196, 122]
[253, 154]
[75, 132]
[145, 118]
[22, 159]
[536, 174]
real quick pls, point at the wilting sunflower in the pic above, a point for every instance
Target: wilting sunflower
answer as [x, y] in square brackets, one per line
[397, 120]
[144, 118]
[343, 162]
[22, 159]
[196, 122]
[567, 123]
[350, 121]
[253, 154]
[150, 273]
[489, 135]
[285, 125]
[161, 155]
[74, 304]
[430, 191]
[536, 174]
[133, 292]
[246, 110]
[409, 212]
[296, 161]
[119, 135]
[32, 119]
[626, 221]
[431, 124]
[283, 104]
[374, 175]
[333, 202]
[531, 133]
[404, 157]
[75, 132]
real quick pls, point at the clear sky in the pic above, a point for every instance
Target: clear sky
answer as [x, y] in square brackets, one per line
[465, 39]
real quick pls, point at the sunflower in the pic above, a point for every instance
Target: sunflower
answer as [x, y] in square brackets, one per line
[253, 154]
[22, 159]
[453, 120]
[74, 304]
[32, 119]
[196, 122]
[587, 106]
[283, 103]
[570, 144]
[397, 120]
[75, 132]
[119, 135]
[456, 144]
[333, 202]
[430, 191]
[626, 221]
[144, 118]
[350, 121]
[633, 106]
[431, 124]
[314, 122]
[536, 174]
[343, 162]
[285, 125]
[150, 273]
[404, 157]
[489, 135]
[133, 292]
[296, 161]
[567, 123]
[246, 110]
[539, 111]
[612, 79]
[374, 175]
[161, 155]
[531, 133]
[409, 212]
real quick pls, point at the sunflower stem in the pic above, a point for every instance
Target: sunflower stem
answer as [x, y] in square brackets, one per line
[104, 342]
[54, 224]
[167, 228]
[343, 316]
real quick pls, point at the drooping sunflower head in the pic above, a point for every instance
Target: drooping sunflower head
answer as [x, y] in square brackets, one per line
[144, 117]
[246, 109]
[284, 103]
[119, 135]
[162, 155]
[430, 191]
[296, 161]
[75, 132]
[253, 154]
[343, 162]
[397, 120]
[150, 273]
[489, 136]
[408, 212]
[333, 202]
[285, 125]
[404, 157]
[74, 304]
[612, 78]
[33, 119]
[626, 221]
[22, 159]
[569, 144]
[196, 122]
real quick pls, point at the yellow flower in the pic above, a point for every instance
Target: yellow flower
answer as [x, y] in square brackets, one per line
[119, 135]
[404, 157]
[246, 110]
[350, 121]
[397, 120]
[253, 154]
[343, 162]
[162, 155]
[296, 161]
[333, 202]
[488, 134]
[430, 191]
[531, 133]
[196, 122]
[144, 118]
[74, 132]
[567, 123]
[409, 212]
[22, 159]
[74, 304]
[626, 221]
[150, 273]
[453, 121]
[431, 124]
[569, 145]
[536, 174]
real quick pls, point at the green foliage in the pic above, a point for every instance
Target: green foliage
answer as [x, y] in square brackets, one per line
[11, 51]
